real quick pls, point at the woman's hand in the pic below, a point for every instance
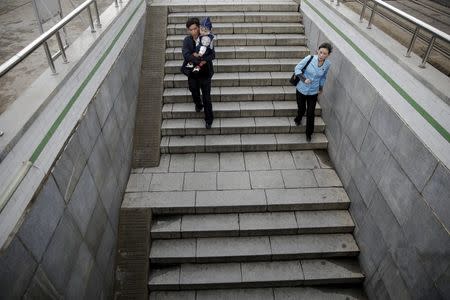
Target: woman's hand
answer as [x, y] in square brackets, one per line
[307, 81]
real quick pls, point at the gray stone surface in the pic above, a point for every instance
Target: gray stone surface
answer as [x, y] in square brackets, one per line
[318, 293]
[210, 275]
[83, 200]
[96, 227]
[233, 249]
[41, 222]
[230, 201]
[266, 179]
[305, 160]
[162, 225]
[232, 161]
[89, 130]
[237, 294]
[173, 251]
[298, 178]
[41, 288]
[106, 250]
[99, 162]
[435, 191]
[233, 181]
[271, 272]
[414, 157]
[210, 225]
[57, 264]
[139, 182]
[204, 181]
[173, 295]
[182, 163]
[386, 123]
[256, 161]
[163, 166]
[206, 162]
[80, 274]
[330, 270]
[160, 278]
[167, 182]
[327, 177]
[267, 223]
[324, 221]
[17, 267]
[281, 160]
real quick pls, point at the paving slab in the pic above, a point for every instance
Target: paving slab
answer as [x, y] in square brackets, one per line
[166, 227]
[281, 160]
[324, 221]
[138, 182]
[233, 181]
[267, 223]
[167, 182]
[210, 225]
[236, 294]
[164, 278]
[233, 249]
[206, 162]
[318, 293]
[256, 161]
[266, 179]
[161, 202]
[336, 271]
[204, 181]
[232, 161]
[298, 178]
[230, 201]
[210, 275]
[172, 295]
[327, 177]
[263, 274]
[173, 251]
[182, 162]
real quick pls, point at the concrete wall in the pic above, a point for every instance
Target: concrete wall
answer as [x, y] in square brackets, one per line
[66, 245]
[399, 191]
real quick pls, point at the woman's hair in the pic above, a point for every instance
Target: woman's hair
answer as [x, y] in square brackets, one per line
[326, 46]
[192, 21]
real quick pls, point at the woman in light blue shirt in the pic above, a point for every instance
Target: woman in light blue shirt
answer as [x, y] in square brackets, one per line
[310, 85]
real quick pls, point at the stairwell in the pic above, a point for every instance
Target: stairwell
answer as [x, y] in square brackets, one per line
[247, 209]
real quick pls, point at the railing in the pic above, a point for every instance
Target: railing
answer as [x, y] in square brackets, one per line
[420, 25]
[54, 31]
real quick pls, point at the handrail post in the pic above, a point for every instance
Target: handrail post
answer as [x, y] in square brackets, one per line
[61, 47]
[116, 3]
[413, 40]
[97, 15]
[427, 54]
[369, 26]
[91, 21]
[363, 11]
[338, 3]
[49, 57]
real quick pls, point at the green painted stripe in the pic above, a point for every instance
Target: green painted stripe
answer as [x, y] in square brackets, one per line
[438, 127]
[83, 85]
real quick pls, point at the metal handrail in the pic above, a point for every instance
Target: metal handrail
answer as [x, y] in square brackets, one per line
[435, 33]
[42, 39]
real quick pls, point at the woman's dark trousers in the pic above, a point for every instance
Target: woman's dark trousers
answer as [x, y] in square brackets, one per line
[306, 103]
[203, 84]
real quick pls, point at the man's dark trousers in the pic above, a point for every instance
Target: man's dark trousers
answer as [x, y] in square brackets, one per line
[203, 84]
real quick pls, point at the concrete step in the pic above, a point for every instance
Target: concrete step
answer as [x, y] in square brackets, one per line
[251, 224]
[235, 109]
[256, 248]
[242, 28]
[232, 94]
[252, 52]
[237, 79]
[238, 200]
[266, 39]
[231, 6]
[256, 274]
[242, 65]
[240, 125]
[239, 16]
[241, 142]
[309, 293]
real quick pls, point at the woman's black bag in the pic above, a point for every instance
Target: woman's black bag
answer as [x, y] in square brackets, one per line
[294, 78]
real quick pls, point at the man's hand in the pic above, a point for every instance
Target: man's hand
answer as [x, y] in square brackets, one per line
[195, 54]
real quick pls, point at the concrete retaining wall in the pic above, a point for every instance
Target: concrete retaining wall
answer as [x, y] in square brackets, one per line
[66, 245]
[399, 190]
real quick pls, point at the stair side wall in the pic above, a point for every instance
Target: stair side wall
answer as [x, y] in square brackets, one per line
[398, 189]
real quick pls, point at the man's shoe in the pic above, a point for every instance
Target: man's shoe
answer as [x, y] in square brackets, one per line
[297, 122]
[198, 108]
[308, 138]
[208, 126]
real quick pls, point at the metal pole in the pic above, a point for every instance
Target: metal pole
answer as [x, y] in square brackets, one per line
[91, 21]
[369, 26]
[116, 3]
[427, 54]
[338, 3]
[413, 40]
[49, 57]
[363, 11]
[97, 15]
[61, 47]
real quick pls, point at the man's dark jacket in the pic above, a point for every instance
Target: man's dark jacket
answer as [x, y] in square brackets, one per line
[189, 48]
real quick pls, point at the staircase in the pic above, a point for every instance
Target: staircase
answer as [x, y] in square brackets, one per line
[264, 215]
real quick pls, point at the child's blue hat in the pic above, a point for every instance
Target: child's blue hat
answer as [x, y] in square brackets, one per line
[206, 22]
